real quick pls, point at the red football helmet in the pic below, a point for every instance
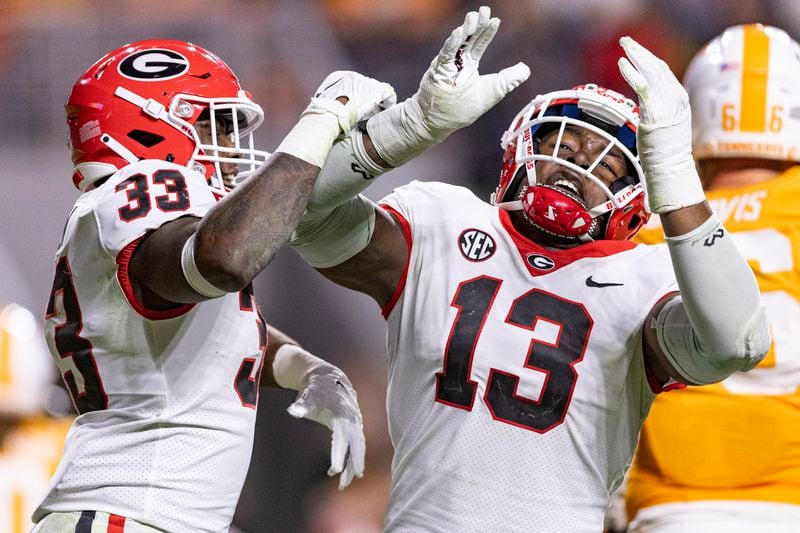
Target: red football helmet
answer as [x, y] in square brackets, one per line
[602, 111]
[141, 101]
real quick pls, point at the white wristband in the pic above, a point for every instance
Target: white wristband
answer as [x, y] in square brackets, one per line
[291, 364]
[670, 174]
[401, 133]
[194, 278]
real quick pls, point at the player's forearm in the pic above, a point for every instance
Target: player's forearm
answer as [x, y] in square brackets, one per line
[243, 232]
[684, 220]
[721, 327]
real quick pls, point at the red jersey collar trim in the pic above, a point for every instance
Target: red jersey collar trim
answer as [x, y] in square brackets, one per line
[560, 258]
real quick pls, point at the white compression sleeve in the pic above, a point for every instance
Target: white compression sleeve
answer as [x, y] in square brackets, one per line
[326, 239]
[718, 326]
[348, 170]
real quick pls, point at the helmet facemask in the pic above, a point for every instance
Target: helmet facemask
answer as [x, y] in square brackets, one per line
[241, 117]
[558, 210]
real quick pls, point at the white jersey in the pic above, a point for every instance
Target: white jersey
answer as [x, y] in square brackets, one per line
[167, 399]
[517, 383]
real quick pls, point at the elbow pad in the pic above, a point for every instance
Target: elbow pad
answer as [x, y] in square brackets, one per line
[330, 238]
[699, 364]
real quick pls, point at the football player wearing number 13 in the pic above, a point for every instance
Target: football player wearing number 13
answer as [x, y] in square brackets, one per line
[152, 319]
[528, 338]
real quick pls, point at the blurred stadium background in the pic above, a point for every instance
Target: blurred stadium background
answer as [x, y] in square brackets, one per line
[281, 50]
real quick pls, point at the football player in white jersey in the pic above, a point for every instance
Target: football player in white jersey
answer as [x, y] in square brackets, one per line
[152, 319]
[528, 336]
[726, 457]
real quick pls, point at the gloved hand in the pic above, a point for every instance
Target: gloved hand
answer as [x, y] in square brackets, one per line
[326, 119]
[326, 396]
[329, 399]
[664, 136]
[365, 97]
[451, 95]
[348, 169]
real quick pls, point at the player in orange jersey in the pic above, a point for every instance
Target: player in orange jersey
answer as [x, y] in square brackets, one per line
[726, 457]
[31, 439]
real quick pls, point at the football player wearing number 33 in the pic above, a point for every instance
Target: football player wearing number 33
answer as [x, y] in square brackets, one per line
[726, 457]
[152, 319]
[529, 336]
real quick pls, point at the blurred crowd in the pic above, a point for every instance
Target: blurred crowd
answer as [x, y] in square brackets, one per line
[281, 50]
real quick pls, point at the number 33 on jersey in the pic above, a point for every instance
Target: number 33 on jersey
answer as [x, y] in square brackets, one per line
[195, 367]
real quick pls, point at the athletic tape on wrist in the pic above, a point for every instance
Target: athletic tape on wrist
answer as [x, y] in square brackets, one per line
[311, 138]
[193, 276]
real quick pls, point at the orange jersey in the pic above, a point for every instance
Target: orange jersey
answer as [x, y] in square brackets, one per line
[29, 455]
[738, 439]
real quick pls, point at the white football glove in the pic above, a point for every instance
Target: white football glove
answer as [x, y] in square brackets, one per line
[451, 95]
[326, 119]
[327, 397]
[664, 137]
[366, 97]
[348, 170]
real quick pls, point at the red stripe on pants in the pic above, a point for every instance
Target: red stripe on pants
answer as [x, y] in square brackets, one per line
[116, 524]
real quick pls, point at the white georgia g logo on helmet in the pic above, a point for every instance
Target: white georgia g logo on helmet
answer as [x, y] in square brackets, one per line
[154, 65]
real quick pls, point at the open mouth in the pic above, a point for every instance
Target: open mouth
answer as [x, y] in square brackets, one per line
[568, 185]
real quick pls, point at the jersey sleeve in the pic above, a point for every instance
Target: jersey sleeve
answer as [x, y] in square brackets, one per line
[144, 196]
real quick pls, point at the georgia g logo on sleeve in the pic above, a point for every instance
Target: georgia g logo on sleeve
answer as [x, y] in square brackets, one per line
[154, 65]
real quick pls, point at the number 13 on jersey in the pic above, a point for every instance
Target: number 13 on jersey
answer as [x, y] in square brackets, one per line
[559, 334]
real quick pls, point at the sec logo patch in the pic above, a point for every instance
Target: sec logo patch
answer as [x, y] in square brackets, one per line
[476, 245]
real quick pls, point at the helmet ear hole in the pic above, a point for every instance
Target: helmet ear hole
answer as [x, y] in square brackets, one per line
[145, 138]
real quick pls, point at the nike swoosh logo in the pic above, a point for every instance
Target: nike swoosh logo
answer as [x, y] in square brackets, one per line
[592, 283]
